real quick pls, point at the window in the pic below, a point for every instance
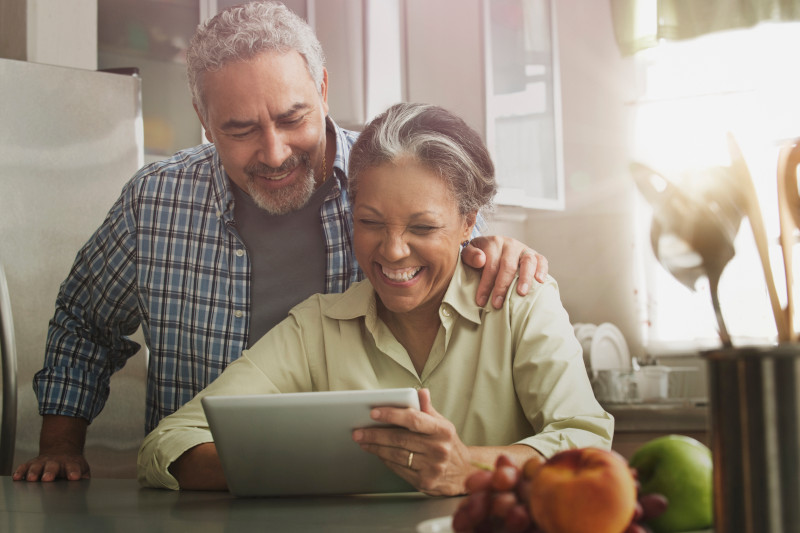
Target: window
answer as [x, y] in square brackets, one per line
[691, 93]
[522, 107]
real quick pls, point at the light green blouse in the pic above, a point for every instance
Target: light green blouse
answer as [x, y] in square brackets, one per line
[501, 376]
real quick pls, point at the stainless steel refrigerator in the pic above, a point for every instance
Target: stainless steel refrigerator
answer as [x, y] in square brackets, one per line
[69, 140]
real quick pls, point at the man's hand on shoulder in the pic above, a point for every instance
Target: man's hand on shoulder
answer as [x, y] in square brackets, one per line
[60, 452]
[501, 258]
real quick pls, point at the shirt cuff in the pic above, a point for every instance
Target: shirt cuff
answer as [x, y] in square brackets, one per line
[159, 451]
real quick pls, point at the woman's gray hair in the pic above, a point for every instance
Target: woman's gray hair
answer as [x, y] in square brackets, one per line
[242, 32]
[438, 140]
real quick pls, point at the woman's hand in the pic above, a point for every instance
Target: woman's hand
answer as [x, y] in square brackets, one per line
[501, 258]
[425, 451]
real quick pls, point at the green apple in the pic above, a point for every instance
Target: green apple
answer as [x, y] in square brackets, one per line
[678, 467]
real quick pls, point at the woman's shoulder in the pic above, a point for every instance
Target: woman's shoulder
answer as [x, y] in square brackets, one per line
[470, 278]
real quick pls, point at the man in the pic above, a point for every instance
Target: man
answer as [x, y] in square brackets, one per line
[209, 249]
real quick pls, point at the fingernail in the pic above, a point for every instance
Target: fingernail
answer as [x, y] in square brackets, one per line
[523, 288]
[498, 302]
[358, 435]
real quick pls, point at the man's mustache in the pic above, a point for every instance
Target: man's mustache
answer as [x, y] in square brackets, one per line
[291, 162]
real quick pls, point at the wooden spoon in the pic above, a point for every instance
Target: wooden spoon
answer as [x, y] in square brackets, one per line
[789, 216]
[753, 210]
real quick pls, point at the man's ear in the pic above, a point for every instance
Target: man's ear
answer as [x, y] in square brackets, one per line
[202, 122]
[323, 90]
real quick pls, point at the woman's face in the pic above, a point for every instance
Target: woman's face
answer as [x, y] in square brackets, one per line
[407, 234]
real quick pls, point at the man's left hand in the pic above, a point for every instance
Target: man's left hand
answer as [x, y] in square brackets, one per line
[501, 258]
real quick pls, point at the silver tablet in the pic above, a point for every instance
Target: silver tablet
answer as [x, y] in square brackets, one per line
[301, 443]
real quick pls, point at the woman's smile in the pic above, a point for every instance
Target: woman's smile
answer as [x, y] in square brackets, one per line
[401, 275]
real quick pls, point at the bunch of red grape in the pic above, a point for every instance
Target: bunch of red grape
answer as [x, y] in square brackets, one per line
[497, 502]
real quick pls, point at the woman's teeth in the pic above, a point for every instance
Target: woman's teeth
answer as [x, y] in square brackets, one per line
[405, 274]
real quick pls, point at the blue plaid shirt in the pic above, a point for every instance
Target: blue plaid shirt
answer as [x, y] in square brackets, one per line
[168, 258]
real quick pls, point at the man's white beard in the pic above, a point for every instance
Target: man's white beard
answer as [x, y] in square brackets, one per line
[286, 199]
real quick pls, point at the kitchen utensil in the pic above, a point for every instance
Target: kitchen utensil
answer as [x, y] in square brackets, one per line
[692, 234]
[789, 217]
[753, 211]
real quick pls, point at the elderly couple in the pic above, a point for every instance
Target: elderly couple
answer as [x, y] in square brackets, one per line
[210, 260]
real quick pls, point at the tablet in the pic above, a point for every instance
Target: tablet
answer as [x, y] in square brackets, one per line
[301, 443]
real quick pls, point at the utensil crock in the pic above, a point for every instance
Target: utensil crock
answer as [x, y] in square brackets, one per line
[755, 438]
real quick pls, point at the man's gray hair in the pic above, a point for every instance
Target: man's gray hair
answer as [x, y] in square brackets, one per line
[242, 32]
[436, 139]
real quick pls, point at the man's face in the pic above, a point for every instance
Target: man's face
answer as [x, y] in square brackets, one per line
[267, 120]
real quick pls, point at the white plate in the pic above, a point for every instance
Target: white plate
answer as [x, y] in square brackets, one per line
[443, 524]
[609, 351]
[584, 334]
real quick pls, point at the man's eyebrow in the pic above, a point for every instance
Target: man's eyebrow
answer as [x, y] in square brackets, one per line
[299, 106]
[242, 124]
[234, 124]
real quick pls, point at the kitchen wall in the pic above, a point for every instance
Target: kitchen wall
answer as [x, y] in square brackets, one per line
[590, 244]
[55, 32]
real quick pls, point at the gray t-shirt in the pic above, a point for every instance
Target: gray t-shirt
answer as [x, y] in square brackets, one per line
[287, 257]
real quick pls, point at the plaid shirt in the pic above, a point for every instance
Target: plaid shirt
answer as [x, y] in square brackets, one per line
[168, 258]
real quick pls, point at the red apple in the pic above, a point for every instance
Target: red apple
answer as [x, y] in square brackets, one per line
[583, 490]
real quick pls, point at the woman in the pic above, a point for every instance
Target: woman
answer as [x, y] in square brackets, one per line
[507, 380]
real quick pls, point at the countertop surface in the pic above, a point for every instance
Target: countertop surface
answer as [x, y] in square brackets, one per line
[660, 417]
[120, 505]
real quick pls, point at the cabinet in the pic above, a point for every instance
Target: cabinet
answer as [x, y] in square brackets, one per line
[495, 63]
[152, 36]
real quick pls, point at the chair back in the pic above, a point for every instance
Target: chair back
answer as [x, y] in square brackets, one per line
[8, 366]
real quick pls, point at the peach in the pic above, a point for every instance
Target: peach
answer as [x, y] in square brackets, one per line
[583, 490]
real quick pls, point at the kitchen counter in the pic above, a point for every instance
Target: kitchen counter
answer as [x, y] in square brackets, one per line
[637, 423]
[120, 505]
[676, 417]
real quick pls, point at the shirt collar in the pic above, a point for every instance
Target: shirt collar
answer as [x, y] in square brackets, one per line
[359, 300]
[461, 293]
[223, 192]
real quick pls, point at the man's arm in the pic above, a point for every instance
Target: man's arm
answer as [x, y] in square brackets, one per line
[95, 310]
[501, 258]
[61, 445]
